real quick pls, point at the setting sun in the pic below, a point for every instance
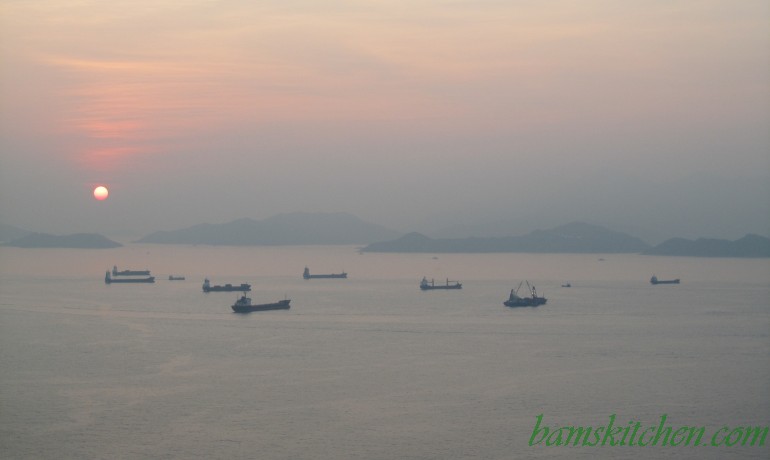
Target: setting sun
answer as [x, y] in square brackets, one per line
[101, 193]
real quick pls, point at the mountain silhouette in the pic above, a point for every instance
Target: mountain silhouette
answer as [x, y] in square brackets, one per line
[575, 237]
[282, 229]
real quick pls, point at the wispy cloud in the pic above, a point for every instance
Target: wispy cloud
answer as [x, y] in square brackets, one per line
[145, 76]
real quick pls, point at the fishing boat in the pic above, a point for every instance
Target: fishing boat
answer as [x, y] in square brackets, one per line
[207, 287]
[426, 285]
[532, 300]
[244, 305]
[655, 280]
[306, 274]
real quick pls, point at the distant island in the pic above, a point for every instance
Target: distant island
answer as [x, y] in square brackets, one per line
[282, 229]
[76, 240]
[346, 229]
[10, 232]
[748, 246]
[576, 237]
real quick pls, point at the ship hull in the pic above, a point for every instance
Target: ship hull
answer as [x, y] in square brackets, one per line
[306, 274]
[676, 281]
[150, 279]
[431, 285]
[525, 302]
[228, 288]
[115, 272]
[280, 305]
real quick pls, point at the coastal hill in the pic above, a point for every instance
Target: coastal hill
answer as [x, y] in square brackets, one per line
[576, 237]
[76, 240]
[282, 229]
[10, 233]
[748, 246]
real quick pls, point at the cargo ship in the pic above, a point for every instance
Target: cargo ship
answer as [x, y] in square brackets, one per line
[115, 272]
[207, 287]
[109, 280]
[533, 300]
[244, 305]
[426, 285]
[655, 280]
[306, 274]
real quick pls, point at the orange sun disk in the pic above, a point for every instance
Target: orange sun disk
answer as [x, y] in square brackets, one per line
[101, 193]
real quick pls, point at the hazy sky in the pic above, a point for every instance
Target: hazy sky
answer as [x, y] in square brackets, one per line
[648, 116]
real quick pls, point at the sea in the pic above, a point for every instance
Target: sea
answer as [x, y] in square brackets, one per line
[371, 367]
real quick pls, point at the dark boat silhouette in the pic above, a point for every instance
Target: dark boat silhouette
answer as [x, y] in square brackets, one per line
[175, 278]
[655, 280]
[115, 272]
[207, 287]
[109, 280]
[533, 300]
[244, 305]
[306, 274]
[426, 285]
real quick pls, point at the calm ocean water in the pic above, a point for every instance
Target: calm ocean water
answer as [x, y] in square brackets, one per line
[371, 367]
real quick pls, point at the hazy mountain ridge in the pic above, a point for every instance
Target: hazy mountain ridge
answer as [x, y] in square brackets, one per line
[749, 246]
[576, 237]
[282, 229]
[342, 228]
[10, 232]
[75, 240]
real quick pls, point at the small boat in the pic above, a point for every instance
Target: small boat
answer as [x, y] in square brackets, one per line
[566, 285]
[109, 280]
[175, 278]
[115, 272]
[207, 287]
[533, 300]
[244, 305]
[426, 285]
[306, 274]
[655, 280]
